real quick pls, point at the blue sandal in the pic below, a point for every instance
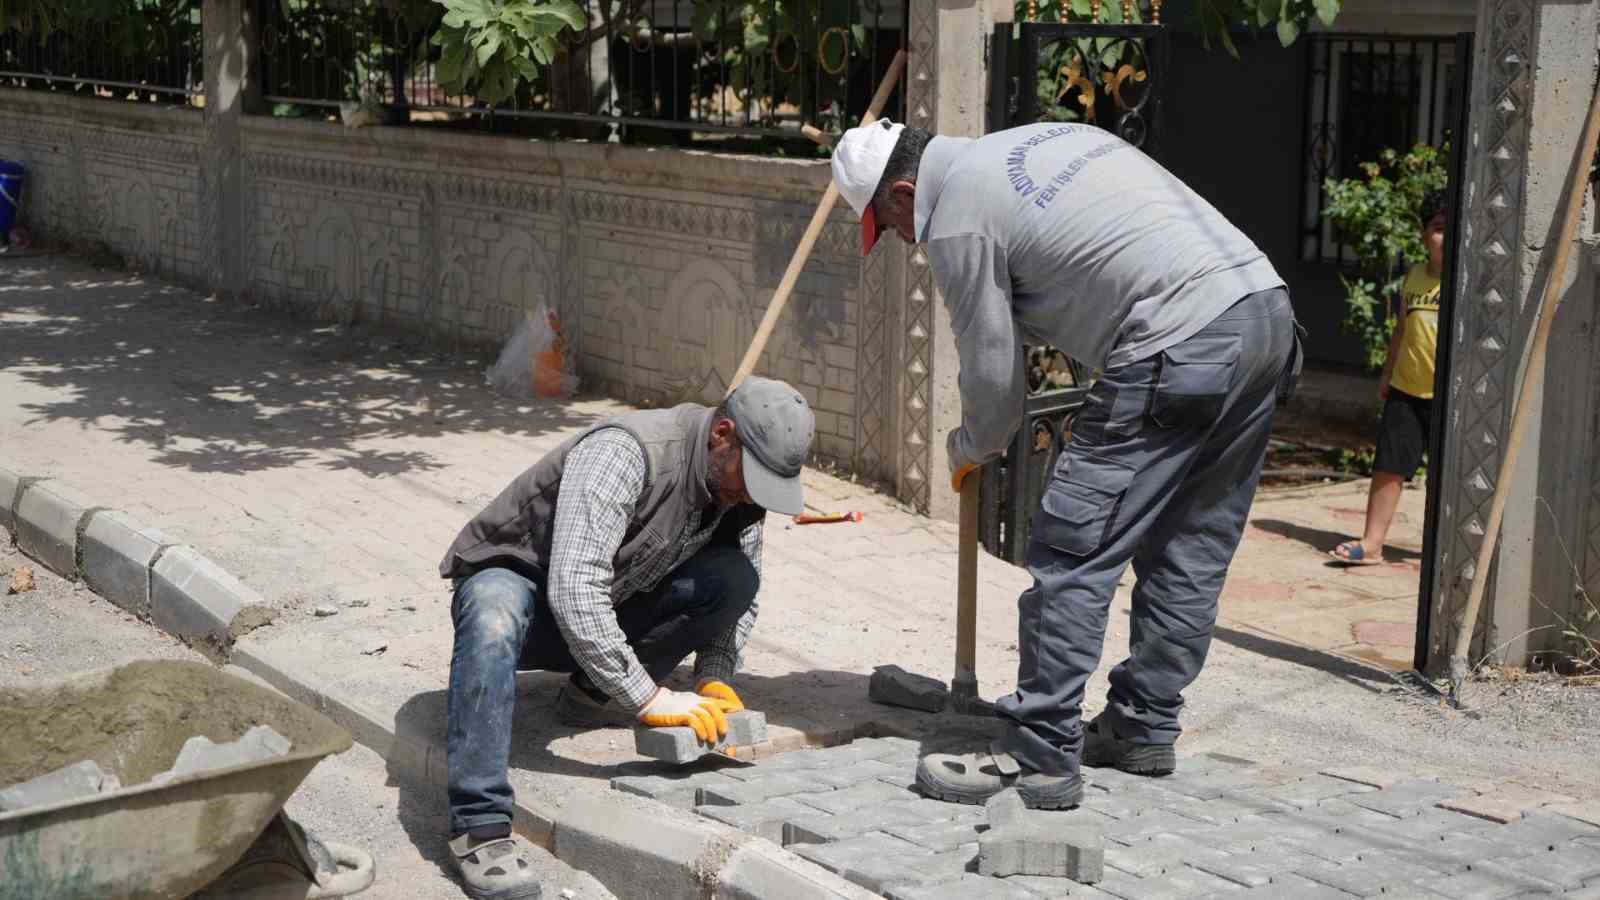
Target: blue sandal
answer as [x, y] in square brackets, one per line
[1351, 553]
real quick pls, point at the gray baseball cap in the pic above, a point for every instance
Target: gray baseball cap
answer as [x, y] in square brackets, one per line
[775, 426]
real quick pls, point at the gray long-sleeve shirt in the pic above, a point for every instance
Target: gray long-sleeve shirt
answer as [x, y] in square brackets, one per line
[1069, 236]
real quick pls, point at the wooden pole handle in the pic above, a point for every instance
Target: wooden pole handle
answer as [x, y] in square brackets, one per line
[813, 231]
[967, 578]
[1532, 379]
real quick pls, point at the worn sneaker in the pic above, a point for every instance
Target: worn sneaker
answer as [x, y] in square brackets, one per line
[575, 707]
[975, 777]
[497, 869]
[1103, 749]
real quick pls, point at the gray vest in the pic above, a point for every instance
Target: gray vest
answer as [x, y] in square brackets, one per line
[515, 529]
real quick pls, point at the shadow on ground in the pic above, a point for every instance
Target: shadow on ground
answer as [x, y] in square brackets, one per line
[214, 387]
[1324, 541]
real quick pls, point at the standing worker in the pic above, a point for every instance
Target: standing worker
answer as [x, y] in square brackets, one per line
[615, 557]
[1406, 390]
[1069, 236]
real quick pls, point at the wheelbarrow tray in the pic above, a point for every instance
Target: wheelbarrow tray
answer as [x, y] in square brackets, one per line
[145, 840]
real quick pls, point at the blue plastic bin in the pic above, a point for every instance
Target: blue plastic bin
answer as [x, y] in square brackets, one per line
[10, 195]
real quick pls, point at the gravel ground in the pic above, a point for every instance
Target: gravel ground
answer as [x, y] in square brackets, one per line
[59, 629]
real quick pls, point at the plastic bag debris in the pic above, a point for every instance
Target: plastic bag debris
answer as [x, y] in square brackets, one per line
[534, 361]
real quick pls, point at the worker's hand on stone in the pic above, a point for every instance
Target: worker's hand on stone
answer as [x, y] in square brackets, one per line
[674, 708]
[726, 699]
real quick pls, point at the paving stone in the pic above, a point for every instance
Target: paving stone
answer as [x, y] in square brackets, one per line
[869, 794]
[1312, 790]
[1283, 886]
[1225, 810]
[1587, 813]
[1188, 847]
[874, 860]
[902, 776]
[1143, 861]
[1541, 831]
[855, 773]
[894, 686]
[1346, 813]
[1505, 803]
[1466, 849]
[757, 791]
[681, 745]
[81, 779]
[201, 754]
[1429, 825]
[888, 747]
[811, 826]
[1211, 785]
[1333, 847]
[1370, 875]
[1152, 822]
[1383, 777]
[766, 820]
[1185, 884]
[1408, 798]
[116, 554]
[966, 887]
[788, 763]
[1041, 845]
[1569, 866]
[1255, 869]
[680, 792]
[1129, 802]
[939, 837]
[193, 598]
[1490, 881]
[1052, 888]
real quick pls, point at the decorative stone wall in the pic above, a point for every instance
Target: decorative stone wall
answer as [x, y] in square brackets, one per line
[127, 176]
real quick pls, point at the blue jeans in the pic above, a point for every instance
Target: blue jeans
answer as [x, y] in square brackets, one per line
[503, 623]
[1160, 472]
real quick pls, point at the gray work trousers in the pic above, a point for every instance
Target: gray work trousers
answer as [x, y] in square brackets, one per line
[1160, 471]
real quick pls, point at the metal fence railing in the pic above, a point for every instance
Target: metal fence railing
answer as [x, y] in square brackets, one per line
[677, 70]
[140, 50]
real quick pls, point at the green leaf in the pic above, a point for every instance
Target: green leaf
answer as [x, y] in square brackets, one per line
[1288, 31]
[474, 12]
[489, 47]
[525, 68]
[1263, 13]
[1328, 10]
[564, 11]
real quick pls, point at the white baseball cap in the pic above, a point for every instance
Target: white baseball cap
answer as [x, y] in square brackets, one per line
[858, 163]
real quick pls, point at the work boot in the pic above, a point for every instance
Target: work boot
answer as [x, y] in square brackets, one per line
[497, 868]
[975, 777]
[1104, 749]
[577, 707]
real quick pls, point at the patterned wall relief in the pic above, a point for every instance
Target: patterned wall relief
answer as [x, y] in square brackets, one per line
[334, 273]
[706, 326]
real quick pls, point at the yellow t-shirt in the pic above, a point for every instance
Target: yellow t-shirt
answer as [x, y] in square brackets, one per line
[1413, 367]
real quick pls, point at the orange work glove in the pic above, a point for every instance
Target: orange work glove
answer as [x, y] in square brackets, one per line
[672, 708]
[961, 475]
[713, 689]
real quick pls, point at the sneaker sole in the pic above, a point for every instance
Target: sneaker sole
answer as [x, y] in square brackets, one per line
[526, 892]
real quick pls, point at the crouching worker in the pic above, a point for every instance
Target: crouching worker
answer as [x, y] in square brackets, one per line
[615, 557]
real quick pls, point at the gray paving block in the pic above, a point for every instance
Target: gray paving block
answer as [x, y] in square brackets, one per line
[787, 763]
[1313, 789]
[81, 779]
[1052, 888]
[680, 792]
[874, 860]
[894, 686]
[1345, 813]
[1185, 884]
[1334, 846]
[1491, 881]
[1129, 802]
[812, 826]
[681, 745]
[1428, 825]
[1143, 861]
[195, 599]
[853, 774]
[47, 519]
[1185, 847]
[1255, 869]
[871, 793]
[1032, 842]
[1208, 785]
[758, 791]
[938, 837]
[1370, 875]
[116, 553]
[901, 775]
[201, 754]
[1540, 830]
[9, 482]
[764, 820]
[1151, 822]
[1408, 798]
[1568, 866]
[1454, 850]
[1225, 810]
[966, 887]
[1289, 885]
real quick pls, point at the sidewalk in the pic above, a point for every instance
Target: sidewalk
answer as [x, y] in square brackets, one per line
[324, 468]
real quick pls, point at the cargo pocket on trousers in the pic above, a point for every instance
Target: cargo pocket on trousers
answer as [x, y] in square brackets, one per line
[1192, 387]
[1080, 503]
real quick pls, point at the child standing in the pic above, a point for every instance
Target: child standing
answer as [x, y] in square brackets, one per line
[1406, 390]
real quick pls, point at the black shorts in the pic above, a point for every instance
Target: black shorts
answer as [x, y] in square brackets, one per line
[1403, 434]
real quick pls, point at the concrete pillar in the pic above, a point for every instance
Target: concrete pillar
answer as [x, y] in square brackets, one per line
[1533, 79]
[231, 91]
[947, 89]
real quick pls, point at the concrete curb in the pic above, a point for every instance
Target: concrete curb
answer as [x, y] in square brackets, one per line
[632, 845]
[139, 569]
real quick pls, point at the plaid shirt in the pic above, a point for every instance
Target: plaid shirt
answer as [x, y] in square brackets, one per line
[602, 482]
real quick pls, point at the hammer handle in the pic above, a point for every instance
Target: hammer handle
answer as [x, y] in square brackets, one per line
[967, 581]
[780, 297]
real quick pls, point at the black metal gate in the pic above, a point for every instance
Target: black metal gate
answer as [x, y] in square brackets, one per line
[1106, 75]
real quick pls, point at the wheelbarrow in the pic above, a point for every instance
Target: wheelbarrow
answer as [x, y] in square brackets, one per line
[159, 840]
